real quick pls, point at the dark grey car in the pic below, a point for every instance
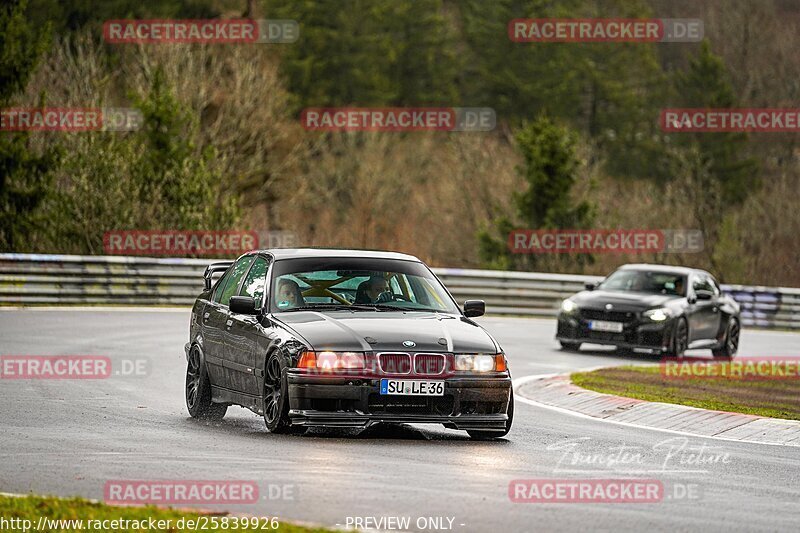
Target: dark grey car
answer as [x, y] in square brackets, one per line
[314, 337]
[653, 308]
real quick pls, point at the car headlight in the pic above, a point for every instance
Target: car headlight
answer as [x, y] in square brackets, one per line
[331, 361]
[568, 306]
[658, 315]
[466, 362]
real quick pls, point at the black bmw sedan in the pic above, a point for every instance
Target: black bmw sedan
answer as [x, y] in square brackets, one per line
[655, 309]
[312, 337]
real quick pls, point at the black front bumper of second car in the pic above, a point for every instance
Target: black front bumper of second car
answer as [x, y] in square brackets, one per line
[468, 403]
[637, 334]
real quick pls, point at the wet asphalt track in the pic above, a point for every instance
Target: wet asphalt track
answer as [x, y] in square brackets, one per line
[69, 437]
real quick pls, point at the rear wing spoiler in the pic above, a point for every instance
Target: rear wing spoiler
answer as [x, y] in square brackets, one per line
[212, 268]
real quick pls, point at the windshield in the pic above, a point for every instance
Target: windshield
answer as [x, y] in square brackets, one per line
[356, 283]
[645, 281]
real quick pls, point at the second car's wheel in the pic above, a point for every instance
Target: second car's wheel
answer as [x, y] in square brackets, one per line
[570, 346]
[198, 390]
[680, 339]
[276, 397]
[731, 344]
[496, 434]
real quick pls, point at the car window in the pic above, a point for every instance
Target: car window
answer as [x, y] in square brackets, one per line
[256, 281]
[702, 283]
[323, 287]
[236, 274]
[220, 286]
[401, 284]
[645, 281]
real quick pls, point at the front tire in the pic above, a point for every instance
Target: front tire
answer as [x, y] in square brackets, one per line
[489, 435]
[731, 344]
[570, 346]
[276, 396]
[198, 390]
[680, 339]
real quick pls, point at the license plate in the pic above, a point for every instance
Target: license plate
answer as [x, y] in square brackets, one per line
[413, 387]
[602, 325]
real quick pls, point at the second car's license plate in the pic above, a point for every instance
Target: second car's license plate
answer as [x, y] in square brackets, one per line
[602, 325]
[412, 387]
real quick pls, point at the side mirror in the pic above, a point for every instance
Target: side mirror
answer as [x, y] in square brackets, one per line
[243, 305]
[474, 308]
[590, 285]
[704, 295]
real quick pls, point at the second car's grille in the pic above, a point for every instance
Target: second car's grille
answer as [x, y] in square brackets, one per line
[429, 363]
[613, 316]
[604, 336]
[395, 363]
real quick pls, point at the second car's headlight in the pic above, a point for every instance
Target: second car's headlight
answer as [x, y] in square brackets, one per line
[466, 362]
[658, 315]
[568, 306]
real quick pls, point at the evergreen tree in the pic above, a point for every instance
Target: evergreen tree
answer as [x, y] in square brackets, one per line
[713, 168]
[369, 52]
[23, 174]
[176, 182]
[706, 84]
[78, 14]
[606, 91]
[550, 169]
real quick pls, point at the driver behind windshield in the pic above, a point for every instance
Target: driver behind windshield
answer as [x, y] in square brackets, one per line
[679, 286]
[371, 291]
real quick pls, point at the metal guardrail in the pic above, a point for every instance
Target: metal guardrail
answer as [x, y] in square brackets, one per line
[33, 279]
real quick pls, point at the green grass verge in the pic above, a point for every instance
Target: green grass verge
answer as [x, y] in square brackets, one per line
[774, 398]
[57, 509]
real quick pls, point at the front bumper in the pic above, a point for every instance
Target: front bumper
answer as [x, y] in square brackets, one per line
[653, 337]
[352, 401]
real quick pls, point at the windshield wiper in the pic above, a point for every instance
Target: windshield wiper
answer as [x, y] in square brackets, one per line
[332, 307]
[403, 308]
[361, 307]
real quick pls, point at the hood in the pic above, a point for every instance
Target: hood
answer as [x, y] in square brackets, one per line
[387, 330]
[622, 301]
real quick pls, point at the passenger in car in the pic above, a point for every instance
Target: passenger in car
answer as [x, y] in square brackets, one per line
[289, 294]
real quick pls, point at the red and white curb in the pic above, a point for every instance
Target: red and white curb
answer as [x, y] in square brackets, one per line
[557, 393]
